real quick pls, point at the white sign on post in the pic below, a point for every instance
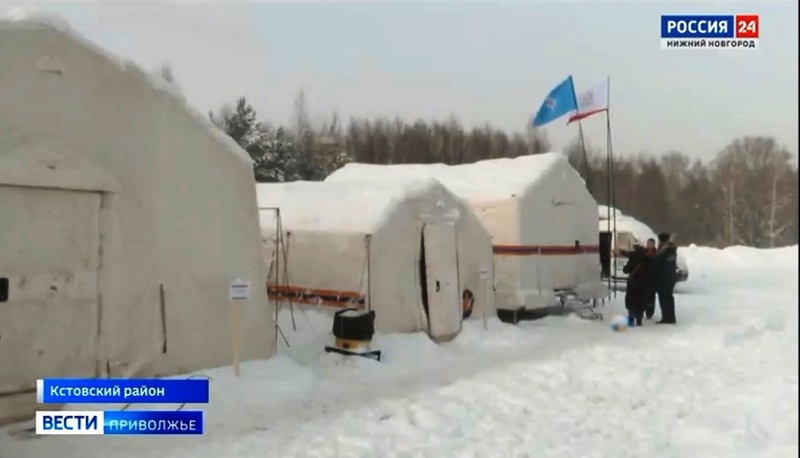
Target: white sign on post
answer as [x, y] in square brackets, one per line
[239, 290]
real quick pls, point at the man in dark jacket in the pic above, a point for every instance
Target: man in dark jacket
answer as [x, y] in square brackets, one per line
[639, 284]
[650, 251]
[664, 266]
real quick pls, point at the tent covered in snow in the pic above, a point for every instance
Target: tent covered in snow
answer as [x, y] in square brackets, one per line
[124, 218]
[623, 235]
[407, 249]
[541, 219]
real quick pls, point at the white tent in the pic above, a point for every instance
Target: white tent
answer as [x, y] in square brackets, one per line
[539, 215]
[124, 217]
[407, 249]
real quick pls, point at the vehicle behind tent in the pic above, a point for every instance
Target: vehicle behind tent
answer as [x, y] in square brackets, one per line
[629, 232]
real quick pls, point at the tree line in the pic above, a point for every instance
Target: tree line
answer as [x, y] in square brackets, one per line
[746, 195]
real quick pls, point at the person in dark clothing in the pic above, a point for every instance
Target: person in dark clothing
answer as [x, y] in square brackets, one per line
[639, 284]
[664, 266]
[650, 310]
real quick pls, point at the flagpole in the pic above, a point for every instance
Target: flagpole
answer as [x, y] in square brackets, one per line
[585, 161]
[586, 168]
[612, 185]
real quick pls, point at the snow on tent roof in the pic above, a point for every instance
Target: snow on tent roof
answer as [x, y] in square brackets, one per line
[625, 223]
[18, 17]
[351, 206]
[491, 179]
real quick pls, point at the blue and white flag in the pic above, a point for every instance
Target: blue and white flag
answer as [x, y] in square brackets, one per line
[559, 102]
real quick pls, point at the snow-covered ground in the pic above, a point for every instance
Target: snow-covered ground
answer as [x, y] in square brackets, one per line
[722, 383]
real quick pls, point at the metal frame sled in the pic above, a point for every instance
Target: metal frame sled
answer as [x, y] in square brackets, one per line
[586, 308]
[370, 354]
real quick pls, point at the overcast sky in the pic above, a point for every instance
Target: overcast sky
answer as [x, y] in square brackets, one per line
[484, 62]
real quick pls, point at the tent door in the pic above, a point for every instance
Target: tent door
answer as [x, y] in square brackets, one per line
[441, 280]
[49, 258]
[605, 253]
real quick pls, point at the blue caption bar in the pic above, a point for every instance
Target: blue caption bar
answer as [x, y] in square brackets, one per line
[121, 391]
[689, 26]
[152, 422]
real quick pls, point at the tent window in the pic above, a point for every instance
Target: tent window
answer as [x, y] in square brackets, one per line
[625, 241]
[3, 289]
[605, 252]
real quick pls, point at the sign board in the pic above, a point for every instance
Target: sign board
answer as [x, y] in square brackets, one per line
[239, 290]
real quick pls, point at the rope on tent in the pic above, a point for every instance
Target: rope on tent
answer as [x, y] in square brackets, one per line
[285, 248]
[279, 249]
[274, 321]
[285, 244]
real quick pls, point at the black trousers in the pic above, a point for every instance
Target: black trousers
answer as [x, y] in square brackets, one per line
[650, 308]
[635, 307]
[666, 300]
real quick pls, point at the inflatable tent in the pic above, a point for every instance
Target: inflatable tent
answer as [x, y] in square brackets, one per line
[124, 218]
[541, 219]
[407, 249]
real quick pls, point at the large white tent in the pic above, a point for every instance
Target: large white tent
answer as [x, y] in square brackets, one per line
[124, 218]
[407, 249]
[541, 219]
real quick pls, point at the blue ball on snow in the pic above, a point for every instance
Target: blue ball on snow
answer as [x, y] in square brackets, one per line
[619, 323]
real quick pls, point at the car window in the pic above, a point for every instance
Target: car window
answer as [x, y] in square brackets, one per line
[625, 241]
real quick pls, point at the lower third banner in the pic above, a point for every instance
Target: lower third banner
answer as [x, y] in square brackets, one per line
[120, 422]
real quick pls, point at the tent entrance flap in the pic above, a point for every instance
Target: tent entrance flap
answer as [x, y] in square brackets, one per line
[441, 279]
[605, 253]
[49, 252]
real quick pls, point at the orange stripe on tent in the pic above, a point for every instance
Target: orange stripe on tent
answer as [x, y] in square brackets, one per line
[316, 296]
[544, 250]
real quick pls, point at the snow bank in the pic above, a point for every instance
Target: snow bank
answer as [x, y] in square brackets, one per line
[488, 180]
[356, 206]
[25, 18]
[751, 266]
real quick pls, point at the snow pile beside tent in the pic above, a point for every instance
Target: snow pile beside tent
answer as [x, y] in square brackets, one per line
[26, 17]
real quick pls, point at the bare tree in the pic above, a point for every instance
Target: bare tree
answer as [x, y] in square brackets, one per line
[301, 121]
[756, 166]
[747, 195]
